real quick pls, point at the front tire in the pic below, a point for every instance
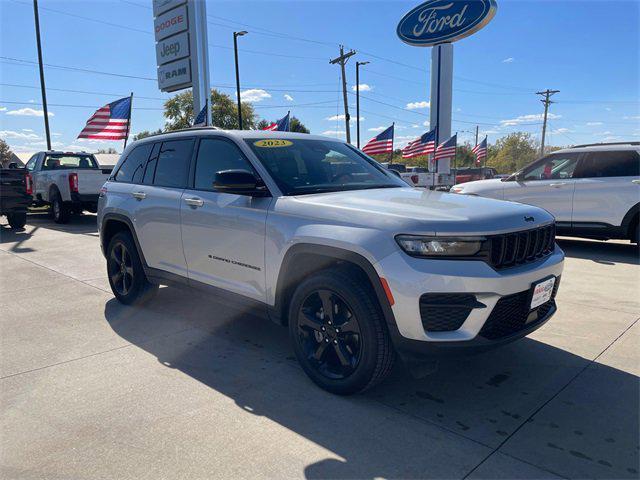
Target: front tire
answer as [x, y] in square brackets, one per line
[338, 332]
[17, 221]
[126, 275]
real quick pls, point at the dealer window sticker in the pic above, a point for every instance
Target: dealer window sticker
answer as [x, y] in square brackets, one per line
[273, 143]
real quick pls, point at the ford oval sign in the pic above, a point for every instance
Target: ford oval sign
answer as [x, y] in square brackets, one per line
[442, 21]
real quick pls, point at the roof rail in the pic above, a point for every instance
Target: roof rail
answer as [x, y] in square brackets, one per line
[188, 129]
[604, 144]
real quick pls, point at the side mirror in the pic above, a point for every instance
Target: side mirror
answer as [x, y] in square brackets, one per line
[13, 165]
[239, 182]
[519, 177]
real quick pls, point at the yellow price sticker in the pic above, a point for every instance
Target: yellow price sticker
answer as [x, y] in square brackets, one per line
[273, 143]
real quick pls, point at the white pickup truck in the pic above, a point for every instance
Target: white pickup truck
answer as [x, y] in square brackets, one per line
[68, 182]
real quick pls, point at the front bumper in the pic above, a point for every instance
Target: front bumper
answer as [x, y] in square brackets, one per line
[409, 278]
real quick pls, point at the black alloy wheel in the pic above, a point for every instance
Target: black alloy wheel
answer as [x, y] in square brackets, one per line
[329, 334]
[338, 331]
[120, 267]
[125, 271]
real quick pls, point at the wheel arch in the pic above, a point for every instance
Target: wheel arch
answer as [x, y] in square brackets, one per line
[304, 259]
[113, 223]
[630, 220]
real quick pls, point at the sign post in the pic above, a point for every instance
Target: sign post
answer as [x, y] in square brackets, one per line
[438, 23]
[182, 55]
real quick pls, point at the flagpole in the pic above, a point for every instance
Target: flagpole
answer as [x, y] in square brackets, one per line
[129, 122]
[289, 121]
[393, 136]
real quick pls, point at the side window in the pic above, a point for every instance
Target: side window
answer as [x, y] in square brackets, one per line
[610, 164]
[215, 155]
[173, 163]
[31, 164]
[553, 167]
[150, 169]
[132, 168]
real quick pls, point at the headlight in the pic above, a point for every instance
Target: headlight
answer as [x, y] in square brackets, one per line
[456, 189]
[419, 246]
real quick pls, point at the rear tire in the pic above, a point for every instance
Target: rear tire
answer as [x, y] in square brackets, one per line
[126, 275]
[349, 349]
[17, 221]
[59, 211]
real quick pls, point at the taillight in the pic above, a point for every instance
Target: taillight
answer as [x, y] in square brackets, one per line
[28, 181]
[73, 182]
[103, 190]
[414, 179]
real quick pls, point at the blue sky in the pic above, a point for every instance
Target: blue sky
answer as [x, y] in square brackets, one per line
[589, 50]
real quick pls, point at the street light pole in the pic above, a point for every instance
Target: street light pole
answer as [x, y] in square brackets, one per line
[42, 87]
[235, 50]
[358, 99]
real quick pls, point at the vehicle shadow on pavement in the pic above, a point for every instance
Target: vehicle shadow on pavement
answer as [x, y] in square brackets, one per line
[606, 253]
[404, 428]
[17, 237]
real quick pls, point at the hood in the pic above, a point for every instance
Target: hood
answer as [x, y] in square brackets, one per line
[482, 186]
[413, 210]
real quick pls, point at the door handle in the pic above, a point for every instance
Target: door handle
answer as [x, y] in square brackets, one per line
[637, 182]
[557, 185]
[194, 202]
[139, 195]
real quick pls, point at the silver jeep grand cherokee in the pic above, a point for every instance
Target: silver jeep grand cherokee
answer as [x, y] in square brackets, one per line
[321, 238]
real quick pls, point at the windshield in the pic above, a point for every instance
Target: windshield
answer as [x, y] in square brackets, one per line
[312, 166]
[68, 161]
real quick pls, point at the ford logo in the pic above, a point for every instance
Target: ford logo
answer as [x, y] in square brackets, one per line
[443, 21]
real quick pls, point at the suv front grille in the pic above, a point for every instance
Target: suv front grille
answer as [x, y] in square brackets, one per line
[445, 312]
[518, 248]
[511, 314]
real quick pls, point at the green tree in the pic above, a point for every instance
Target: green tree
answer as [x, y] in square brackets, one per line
[178, 111]
[464, 156]
[512, 152]
[5, 153]
[107, 150]
[145, 134]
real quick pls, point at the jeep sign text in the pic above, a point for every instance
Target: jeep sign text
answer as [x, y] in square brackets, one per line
[172, 48]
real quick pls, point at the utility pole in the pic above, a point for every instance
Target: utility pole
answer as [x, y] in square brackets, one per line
[235, 50]
[477, 134]
[358, 64]
[342, 60]
[547, 94]
[42, 87]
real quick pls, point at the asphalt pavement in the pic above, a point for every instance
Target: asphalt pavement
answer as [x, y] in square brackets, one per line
[187, 388]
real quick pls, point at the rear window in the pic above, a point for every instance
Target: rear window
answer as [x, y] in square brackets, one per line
[173, 163]
[66, 162]
[132, 168]
[623, 163]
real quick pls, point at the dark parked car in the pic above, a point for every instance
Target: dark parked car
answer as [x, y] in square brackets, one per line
[15, 195]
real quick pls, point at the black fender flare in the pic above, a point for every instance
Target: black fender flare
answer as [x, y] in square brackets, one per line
[117, 217]
[332, 254]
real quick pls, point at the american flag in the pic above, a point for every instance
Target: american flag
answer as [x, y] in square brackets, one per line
[446, 149]
[480, 151]
[201, 119]
[281, 125]
[424, 145]
[110, 122]
[381, 143]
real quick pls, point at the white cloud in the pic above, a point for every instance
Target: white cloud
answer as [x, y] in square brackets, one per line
[28, 112]
[612, 138]
[608, 109]
[341, 117]
[489, 132]
[254, 95]
[594, 124]
[288, 97]
[417, 105]
[2, 109]
[605, 133]
[56, 134]
[426, 123]
[78, 147]
[363, 87]
[537, 117]
[415, 125]
[18, 135]
[42, 143]
[334, 133]
[561, 130]
[27, 130]
[636, 117]
[377, 129]
[508, 60]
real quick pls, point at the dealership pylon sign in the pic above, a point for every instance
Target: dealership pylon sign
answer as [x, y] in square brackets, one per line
[437, 24]
[182, 57]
